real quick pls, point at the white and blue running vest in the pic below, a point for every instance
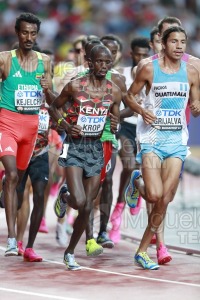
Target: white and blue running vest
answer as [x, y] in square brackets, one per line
[167, 99]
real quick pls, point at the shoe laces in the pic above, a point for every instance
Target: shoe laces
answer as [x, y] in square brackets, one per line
[162, 249]
[20, 244]
[146, 257]
[30, 251]
[70, 259]
[12, 243]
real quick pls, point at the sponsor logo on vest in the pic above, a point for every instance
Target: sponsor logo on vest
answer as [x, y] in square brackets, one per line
[9, 149]
[164, 87]
[17, 74]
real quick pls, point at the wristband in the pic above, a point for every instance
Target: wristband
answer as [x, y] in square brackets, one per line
[60, 120]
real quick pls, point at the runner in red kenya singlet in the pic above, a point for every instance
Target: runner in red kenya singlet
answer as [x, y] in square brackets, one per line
[92, 98]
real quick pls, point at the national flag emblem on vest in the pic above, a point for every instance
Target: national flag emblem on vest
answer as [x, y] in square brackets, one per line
[38, 76]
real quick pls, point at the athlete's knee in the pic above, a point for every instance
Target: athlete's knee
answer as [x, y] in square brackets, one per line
[39, 195]
[153, 196]
[12, 177]
[88, 208]
[78, 200]
[168, 197]
[108, 182]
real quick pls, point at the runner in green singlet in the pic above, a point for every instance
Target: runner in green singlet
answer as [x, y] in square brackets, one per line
[25, 75]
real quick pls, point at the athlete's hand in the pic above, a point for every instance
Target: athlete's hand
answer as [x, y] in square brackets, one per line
[195, 108]
[44, 83]
[75, 130]
[60, 129]
[148, 116]
[114, 121]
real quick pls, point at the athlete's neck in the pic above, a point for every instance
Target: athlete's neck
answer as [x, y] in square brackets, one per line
[170, 65]
[97, 81]
[24, 54]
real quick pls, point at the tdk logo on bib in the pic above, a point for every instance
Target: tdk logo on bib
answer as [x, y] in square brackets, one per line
[159, 113]
[19, 94]
[93, 120]
[83, 119]
[168, 113]
[91, 125]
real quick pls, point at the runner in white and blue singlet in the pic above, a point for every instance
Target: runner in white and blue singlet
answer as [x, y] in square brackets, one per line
[162, 131]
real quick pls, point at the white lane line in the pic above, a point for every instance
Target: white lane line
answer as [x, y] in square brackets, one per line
[132, 276]
[126, 275]
[37, 294]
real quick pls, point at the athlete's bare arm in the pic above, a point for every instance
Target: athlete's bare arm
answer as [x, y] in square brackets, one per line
[67, 95]
[46, 80]
[193, 78]
[5, 63]
[195, 62]
[120, 81]
[114, 112]
[143, 78]
[60, 101]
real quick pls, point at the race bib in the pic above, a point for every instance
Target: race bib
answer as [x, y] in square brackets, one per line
[169, 119]
[91, 125]
[28, 101]
[43, 120]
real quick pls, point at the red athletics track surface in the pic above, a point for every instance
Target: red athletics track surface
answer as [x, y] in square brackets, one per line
[113, 275]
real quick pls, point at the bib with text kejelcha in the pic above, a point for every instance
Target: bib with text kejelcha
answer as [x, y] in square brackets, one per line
[28, 101]
[43, 120]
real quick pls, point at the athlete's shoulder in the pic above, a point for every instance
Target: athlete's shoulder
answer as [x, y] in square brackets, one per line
[195, 61]
[192, 68]
[146, 61]
[116, 75]
[5, 63]
[5, 54]
[45, 57]
[78, 80]
[147, 66]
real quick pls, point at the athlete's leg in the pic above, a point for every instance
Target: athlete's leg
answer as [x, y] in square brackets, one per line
[127, 157]
[23, 209]
[107, 196]
[11, 179]
[160, 187]
[82, 194]
[37, 212]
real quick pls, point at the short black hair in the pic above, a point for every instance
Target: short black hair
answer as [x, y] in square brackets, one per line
[29, 18]
[141, 42]
[112, 37]
[170, 30]
[93, 42]
[153, 32]
[168, 20]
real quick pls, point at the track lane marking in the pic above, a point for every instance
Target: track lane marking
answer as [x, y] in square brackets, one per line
[123, 274]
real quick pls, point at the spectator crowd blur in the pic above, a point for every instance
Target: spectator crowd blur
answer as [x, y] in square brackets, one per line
[63, 21]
